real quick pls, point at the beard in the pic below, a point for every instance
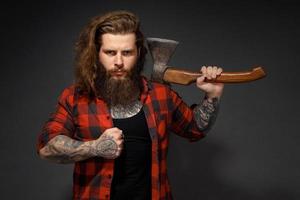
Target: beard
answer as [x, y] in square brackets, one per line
[119, 91]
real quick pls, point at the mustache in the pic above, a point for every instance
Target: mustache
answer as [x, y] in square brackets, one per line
[117, 71]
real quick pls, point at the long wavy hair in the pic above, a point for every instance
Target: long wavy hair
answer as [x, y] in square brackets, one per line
[89, 43]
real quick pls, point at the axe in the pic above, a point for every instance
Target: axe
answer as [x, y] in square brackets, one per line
[162, 49]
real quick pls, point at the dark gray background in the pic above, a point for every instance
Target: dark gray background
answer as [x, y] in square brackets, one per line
[251, 152]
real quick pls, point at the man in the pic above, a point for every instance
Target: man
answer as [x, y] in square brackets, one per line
[113, 123]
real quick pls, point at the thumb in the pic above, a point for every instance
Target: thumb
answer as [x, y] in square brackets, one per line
[200, 80]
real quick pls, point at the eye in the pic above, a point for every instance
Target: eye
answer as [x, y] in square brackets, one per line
[127, 53]
[110, 52]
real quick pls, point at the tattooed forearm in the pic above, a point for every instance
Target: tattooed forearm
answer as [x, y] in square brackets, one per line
[205, 114]
[62, 149]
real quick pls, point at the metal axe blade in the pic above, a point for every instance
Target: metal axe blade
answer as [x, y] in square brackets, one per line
[161, 51]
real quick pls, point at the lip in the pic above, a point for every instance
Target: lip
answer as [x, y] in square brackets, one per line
[118, 73]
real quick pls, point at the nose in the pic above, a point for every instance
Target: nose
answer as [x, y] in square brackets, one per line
[119, 61]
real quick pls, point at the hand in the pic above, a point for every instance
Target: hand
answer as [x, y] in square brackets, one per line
[110, 144]
[212, 89]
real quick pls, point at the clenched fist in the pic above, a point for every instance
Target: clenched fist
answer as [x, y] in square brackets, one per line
[109, 145]
[212, 89]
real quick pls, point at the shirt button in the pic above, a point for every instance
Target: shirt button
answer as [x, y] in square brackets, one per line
[106, 196]
[109, 175]
[107, 117]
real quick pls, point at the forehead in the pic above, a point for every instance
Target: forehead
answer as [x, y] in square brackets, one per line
[118, 41]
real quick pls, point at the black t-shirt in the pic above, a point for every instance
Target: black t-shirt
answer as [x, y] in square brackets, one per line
[132, 171]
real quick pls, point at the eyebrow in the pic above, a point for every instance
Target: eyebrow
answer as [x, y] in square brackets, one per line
[108, 49]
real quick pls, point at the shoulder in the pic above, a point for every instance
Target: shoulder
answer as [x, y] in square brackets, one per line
[159, 86]
[68, 94]
[161, 89]
[154, 87]
[68, 91]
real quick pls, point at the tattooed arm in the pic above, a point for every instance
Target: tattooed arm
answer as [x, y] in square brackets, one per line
[63, 149]
[205, 113]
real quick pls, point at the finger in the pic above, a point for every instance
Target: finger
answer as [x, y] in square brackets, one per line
[214, 72]
[200, 79]
[117, 130]
[114, 129]
[219, 71]
[119, 141]
[111, 131]
[119, 135]
[203, 69]
[209, 72]
[116, 133]
[106, 135]
[121, 145]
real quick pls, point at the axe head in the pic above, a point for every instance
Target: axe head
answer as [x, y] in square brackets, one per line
[161, 51]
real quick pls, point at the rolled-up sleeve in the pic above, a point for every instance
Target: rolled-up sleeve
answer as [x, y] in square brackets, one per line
[183, 122]
[60, 121]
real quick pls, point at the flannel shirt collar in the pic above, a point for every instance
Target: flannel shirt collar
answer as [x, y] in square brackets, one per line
[147, 86]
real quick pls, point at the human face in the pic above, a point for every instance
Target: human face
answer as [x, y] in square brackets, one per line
[118, 54]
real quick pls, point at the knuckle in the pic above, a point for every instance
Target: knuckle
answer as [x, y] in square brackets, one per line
[119, 133]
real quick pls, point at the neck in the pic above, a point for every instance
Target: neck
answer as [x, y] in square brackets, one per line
[121, 111]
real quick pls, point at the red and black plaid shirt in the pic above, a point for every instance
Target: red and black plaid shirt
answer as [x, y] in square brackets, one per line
[85, 120]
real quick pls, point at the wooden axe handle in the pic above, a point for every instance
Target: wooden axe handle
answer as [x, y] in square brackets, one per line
[173, 75]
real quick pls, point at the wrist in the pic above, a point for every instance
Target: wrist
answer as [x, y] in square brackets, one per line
[211, 96]
[91, 148]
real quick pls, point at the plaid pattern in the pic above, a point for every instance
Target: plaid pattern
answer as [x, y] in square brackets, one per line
[84, 120]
